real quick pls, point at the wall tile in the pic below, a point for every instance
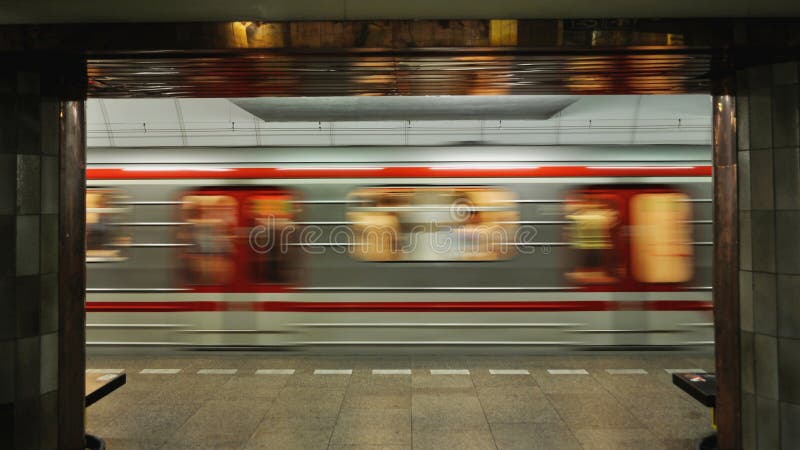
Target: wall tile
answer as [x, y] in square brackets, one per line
[748, 421]
[26, 423]
[48, 258]
[8, 256]
[746, 300]
[787, 178]
[8, 184]
[743, 175]
[27, 299]
[49, 188]
[8, 309]
[28, 83]
[27, 245]
[784, 73]
[742, 121]
[790, 425]
[7, 349]
[766, 365]
[765, 305]
[759, 76]
[26, 369]
[29, 117]
[745, 240]
[763, 235]
[48, 363]
[767, 423]
[28, 184]
[788, 292]
[760, 118]
[761, 180]
[787, 237]
[747, 361]
[785, 124]
[7, 418]
[50, 126]
[48, 317]
[789, 367]
[49, 428]
[8, 130]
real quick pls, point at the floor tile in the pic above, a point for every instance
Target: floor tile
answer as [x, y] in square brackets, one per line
[307, 402]
[292, 433]
[438, 439]
[619, 439]
[446, 411]
[534, 436]
[521, 404]
[373, 427]
[593, 411]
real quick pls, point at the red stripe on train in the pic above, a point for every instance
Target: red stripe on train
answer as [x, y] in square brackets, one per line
[397, 172]
[276, 306]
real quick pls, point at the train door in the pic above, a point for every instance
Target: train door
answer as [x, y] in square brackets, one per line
[243, 245]
[273, 253]
[239, 240]
[632, 243]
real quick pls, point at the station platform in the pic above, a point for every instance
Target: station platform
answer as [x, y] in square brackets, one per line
[299, 401]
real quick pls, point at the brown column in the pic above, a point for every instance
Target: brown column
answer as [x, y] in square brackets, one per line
[72, 276]
[41, 252]
[726, 267]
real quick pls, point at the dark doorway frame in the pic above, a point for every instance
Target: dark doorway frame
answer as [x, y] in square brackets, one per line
[626, 56]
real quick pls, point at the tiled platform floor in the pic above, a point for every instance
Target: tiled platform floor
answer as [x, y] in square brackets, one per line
[464, 407]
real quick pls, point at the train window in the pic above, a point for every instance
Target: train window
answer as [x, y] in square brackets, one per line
[274, 253]
[433, 223]
[593, 235]
[105, 240]
[661, 249]
[209, 259]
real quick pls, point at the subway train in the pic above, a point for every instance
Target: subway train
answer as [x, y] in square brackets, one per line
[584, 247]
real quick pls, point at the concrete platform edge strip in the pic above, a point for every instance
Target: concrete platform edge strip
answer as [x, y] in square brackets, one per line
[333, 372]
[685, 370]
[160, 371]
[626, 371]
[217, 371]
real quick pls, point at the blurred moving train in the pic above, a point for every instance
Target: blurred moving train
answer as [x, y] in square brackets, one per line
[267, 248]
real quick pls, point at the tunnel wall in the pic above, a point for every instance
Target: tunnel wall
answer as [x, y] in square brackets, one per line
[29, 129]
[768, 127]
[42, 146]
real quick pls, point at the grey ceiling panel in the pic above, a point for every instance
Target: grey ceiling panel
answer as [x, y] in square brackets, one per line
[505, 107]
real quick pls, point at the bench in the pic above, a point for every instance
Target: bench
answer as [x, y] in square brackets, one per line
[97, 387]
[703, 388]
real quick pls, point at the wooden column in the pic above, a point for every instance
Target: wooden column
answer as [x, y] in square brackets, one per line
[726, 268]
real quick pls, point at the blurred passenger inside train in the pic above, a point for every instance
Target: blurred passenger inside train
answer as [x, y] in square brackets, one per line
[275, 254]
[661, 237]
[433, 224]
[657, 237]
[592, 222]
[103, 240]
[212, 222]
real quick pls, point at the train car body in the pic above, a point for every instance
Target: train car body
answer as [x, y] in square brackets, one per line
[593, 246]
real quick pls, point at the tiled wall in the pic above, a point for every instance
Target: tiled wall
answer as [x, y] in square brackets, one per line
[29, 187]
[768, 126]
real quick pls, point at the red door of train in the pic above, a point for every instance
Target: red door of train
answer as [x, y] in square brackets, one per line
[629, 238]
[240, 240]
